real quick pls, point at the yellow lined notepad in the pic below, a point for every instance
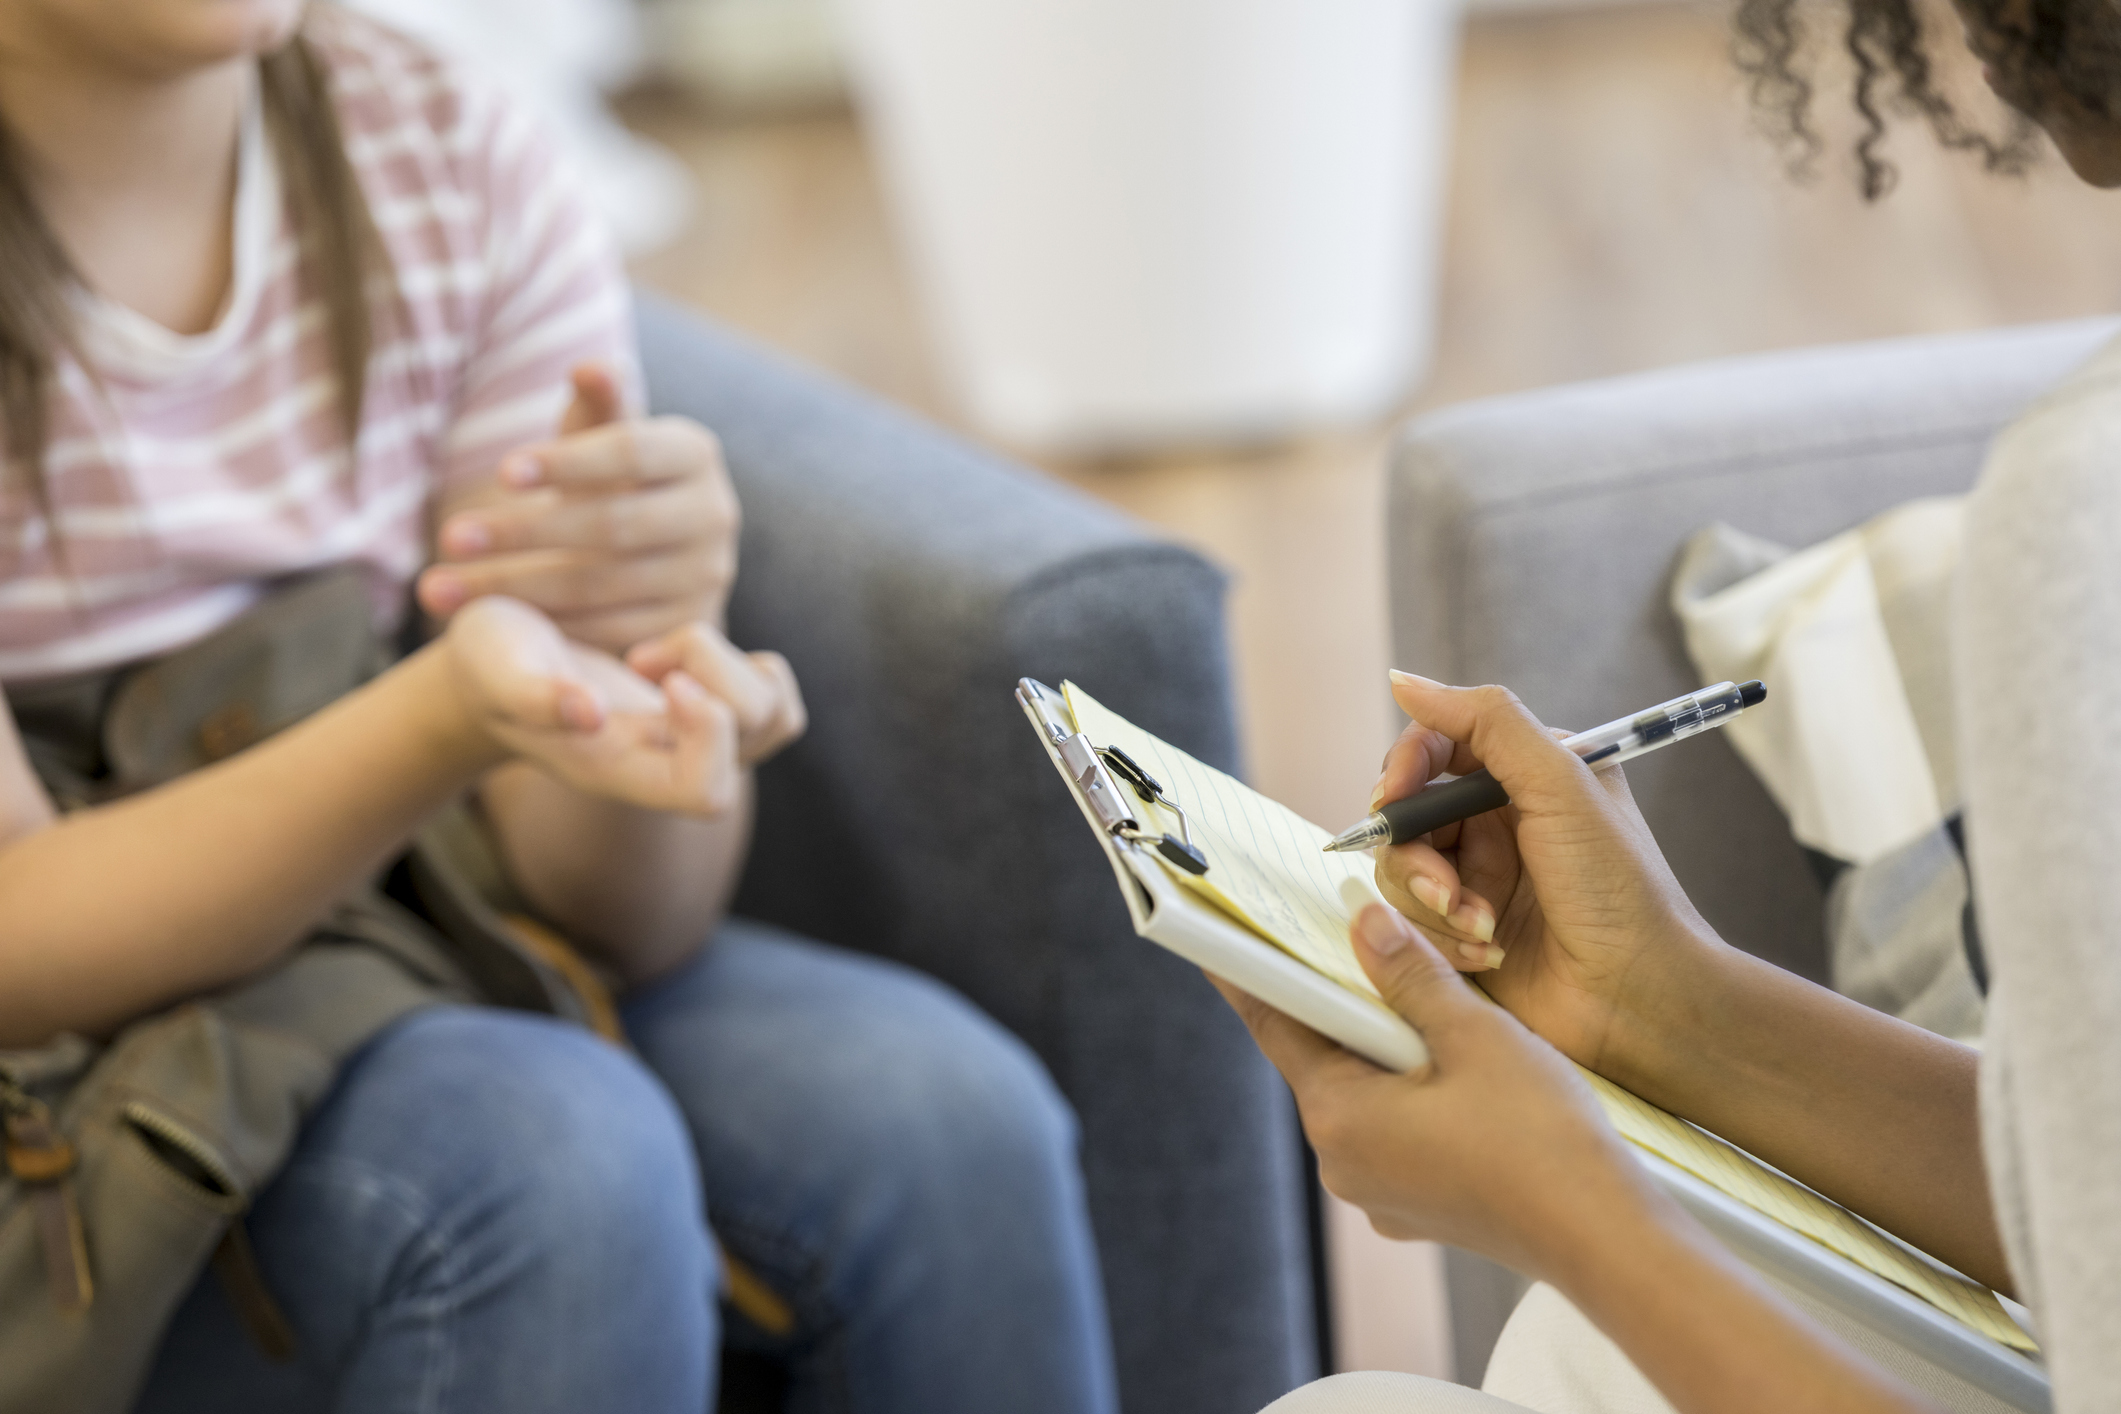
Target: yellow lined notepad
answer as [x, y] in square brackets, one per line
[1281, 884]
[1268, 872]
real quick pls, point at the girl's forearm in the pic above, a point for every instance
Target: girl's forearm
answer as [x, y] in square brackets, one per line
[112, 912]
[640, 888]
[1707, 1332]
[1876, 1114]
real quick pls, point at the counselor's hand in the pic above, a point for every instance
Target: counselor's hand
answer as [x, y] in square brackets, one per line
[618, 529]
[1561, 900]
[1496, 1146]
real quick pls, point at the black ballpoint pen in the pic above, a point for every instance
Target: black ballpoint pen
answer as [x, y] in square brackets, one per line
[1609, 745]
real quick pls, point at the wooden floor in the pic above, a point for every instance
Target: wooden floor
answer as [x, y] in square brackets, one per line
[1611, 207]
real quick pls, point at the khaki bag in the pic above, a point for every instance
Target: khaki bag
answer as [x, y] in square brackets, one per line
[129, 1165]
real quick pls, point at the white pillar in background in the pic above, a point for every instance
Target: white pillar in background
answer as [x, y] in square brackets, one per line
[1147, 221]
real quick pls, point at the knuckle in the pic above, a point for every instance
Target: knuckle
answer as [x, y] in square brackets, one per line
[626, 437]
[716, 505]
[504, 532]
[1326, 1121]
[1333, 1180]
[1496, 698]
[1390, 1226]
[695, 574]
[710, 444]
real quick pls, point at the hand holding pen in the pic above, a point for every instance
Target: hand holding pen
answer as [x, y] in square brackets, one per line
[1474, 880]
[1412, 816]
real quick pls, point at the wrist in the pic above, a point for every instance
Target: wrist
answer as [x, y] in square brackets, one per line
[444, 727]
[1617, 1223]
[1669, 1017]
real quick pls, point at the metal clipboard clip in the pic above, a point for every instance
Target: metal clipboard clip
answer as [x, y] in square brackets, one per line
[1093, 767]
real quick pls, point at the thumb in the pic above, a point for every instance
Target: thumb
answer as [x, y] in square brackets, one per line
[596, 398]
[1501, 734]
[1416, 981]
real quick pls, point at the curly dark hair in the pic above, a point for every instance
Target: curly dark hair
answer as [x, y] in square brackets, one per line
[2044, 52]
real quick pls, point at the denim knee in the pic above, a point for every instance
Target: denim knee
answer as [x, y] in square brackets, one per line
[894, 1163]
[994, 1105]
[517, 1143]
[490, 1210]
[962, 1127]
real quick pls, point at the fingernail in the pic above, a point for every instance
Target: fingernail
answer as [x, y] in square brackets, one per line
[1384, 933]
[521, 470]
[1377, 795]
[1433, 895]
[1411, 679]
[443, 592]
[1477, 921]
[466, 537]
[1484, 955]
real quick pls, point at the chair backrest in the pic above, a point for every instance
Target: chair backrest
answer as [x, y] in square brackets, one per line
[1533, 538]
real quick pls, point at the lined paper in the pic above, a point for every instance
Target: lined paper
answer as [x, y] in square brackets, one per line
[1268, 871]
[1267, 864]
[1736, 1173]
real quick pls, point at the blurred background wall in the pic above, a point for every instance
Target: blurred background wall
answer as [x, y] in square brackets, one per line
[1566, 189]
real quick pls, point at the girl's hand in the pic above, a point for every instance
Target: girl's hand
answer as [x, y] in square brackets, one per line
[1561, 900]
[589, 719]
[1496, 1146]
[618, 529]
[760, 688]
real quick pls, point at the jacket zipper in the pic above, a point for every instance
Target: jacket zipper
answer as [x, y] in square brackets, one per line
[212, 1167]
[234, 1261]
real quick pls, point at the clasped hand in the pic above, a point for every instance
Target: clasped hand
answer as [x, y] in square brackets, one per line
[617, 537]
[673, 727]
[619, 528]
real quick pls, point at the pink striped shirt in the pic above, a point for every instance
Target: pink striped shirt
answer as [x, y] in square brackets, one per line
[191, 471]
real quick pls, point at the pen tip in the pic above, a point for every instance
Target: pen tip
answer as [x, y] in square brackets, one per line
[1332, 846]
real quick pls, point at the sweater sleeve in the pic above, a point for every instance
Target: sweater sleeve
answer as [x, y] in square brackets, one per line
[2037, 666]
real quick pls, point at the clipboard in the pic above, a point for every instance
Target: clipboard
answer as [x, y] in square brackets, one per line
[1112, 791]
[1171, 917]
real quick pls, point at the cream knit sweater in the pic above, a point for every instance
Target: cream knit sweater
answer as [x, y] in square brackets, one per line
[2037, 664]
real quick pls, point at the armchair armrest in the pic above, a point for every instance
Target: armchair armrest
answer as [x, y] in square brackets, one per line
[911, 580]
[1533, 538]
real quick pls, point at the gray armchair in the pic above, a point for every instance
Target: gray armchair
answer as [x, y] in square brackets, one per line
[911, 580]
[1532, 543]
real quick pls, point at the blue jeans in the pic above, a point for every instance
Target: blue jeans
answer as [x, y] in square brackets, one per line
[495, 1211]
